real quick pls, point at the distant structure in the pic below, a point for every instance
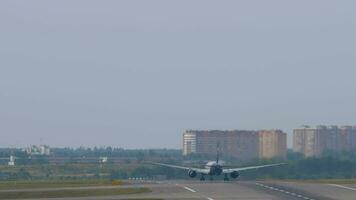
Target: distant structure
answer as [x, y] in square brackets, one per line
[313, 142]
[272, 143]
[43, 150]
[242, 144]
[103, 159]
[11, 161]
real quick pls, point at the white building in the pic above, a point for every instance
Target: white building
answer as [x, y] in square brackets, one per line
[189, 142]
[39, 150]
[12, 161]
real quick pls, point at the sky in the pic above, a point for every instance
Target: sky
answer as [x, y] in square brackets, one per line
[136, 74]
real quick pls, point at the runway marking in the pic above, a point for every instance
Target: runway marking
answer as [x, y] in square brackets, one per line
[344, 187]
[189, 189]
[286, 192]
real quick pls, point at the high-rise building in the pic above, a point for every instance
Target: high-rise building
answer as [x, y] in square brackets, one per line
[189, 143]
[272, 143]
[347, 140]
[242, 144]
[307, 141]
[314, 141]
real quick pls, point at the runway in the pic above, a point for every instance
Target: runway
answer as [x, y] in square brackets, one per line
[317, 191]
[259, 190]
[239, 190]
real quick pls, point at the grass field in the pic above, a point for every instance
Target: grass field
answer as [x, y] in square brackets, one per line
[55, 184]
[71, 193]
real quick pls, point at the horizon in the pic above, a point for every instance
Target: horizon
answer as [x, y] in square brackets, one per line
[289, 140]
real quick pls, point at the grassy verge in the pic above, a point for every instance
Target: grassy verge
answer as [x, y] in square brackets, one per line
[55, 184]
[71, 193]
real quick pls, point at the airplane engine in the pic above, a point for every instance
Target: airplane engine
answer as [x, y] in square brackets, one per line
[235, 174]
[192, 173]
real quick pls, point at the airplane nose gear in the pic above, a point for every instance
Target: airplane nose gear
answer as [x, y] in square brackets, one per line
[226, 178]
[202, 178]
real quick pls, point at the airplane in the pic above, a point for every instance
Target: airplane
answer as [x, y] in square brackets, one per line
[216, 168]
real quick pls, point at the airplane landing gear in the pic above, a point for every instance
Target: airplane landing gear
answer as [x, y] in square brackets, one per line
[226, 178]
[202, 178]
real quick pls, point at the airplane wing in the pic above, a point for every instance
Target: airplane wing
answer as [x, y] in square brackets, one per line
[198, 170]
[251, 167]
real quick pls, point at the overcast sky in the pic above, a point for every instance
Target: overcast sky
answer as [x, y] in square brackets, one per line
[136, 74]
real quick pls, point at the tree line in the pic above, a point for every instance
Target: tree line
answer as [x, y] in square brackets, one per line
[329, 165]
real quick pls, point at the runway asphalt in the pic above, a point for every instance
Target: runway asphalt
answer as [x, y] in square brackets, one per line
[240, 190]
[318, 191]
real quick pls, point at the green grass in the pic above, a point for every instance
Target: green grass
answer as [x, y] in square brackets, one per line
[71, 193]
[51, 184]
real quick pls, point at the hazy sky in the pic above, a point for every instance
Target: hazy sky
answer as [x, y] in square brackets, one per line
[136, 74]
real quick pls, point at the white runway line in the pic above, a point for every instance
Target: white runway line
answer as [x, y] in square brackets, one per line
[344, 187]
[286, 192]
[189, 189]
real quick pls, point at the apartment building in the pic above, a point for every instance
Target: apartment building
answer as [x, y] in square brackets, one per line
[242, 144]
[313, 142]
[272, 143]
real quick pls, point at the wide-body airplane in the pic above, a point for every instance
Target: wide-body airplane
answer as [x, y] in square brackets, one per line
[216, 168]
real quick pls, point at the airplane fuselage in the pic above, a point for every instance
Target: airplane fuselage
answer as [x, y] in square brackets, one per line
[215, 169]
